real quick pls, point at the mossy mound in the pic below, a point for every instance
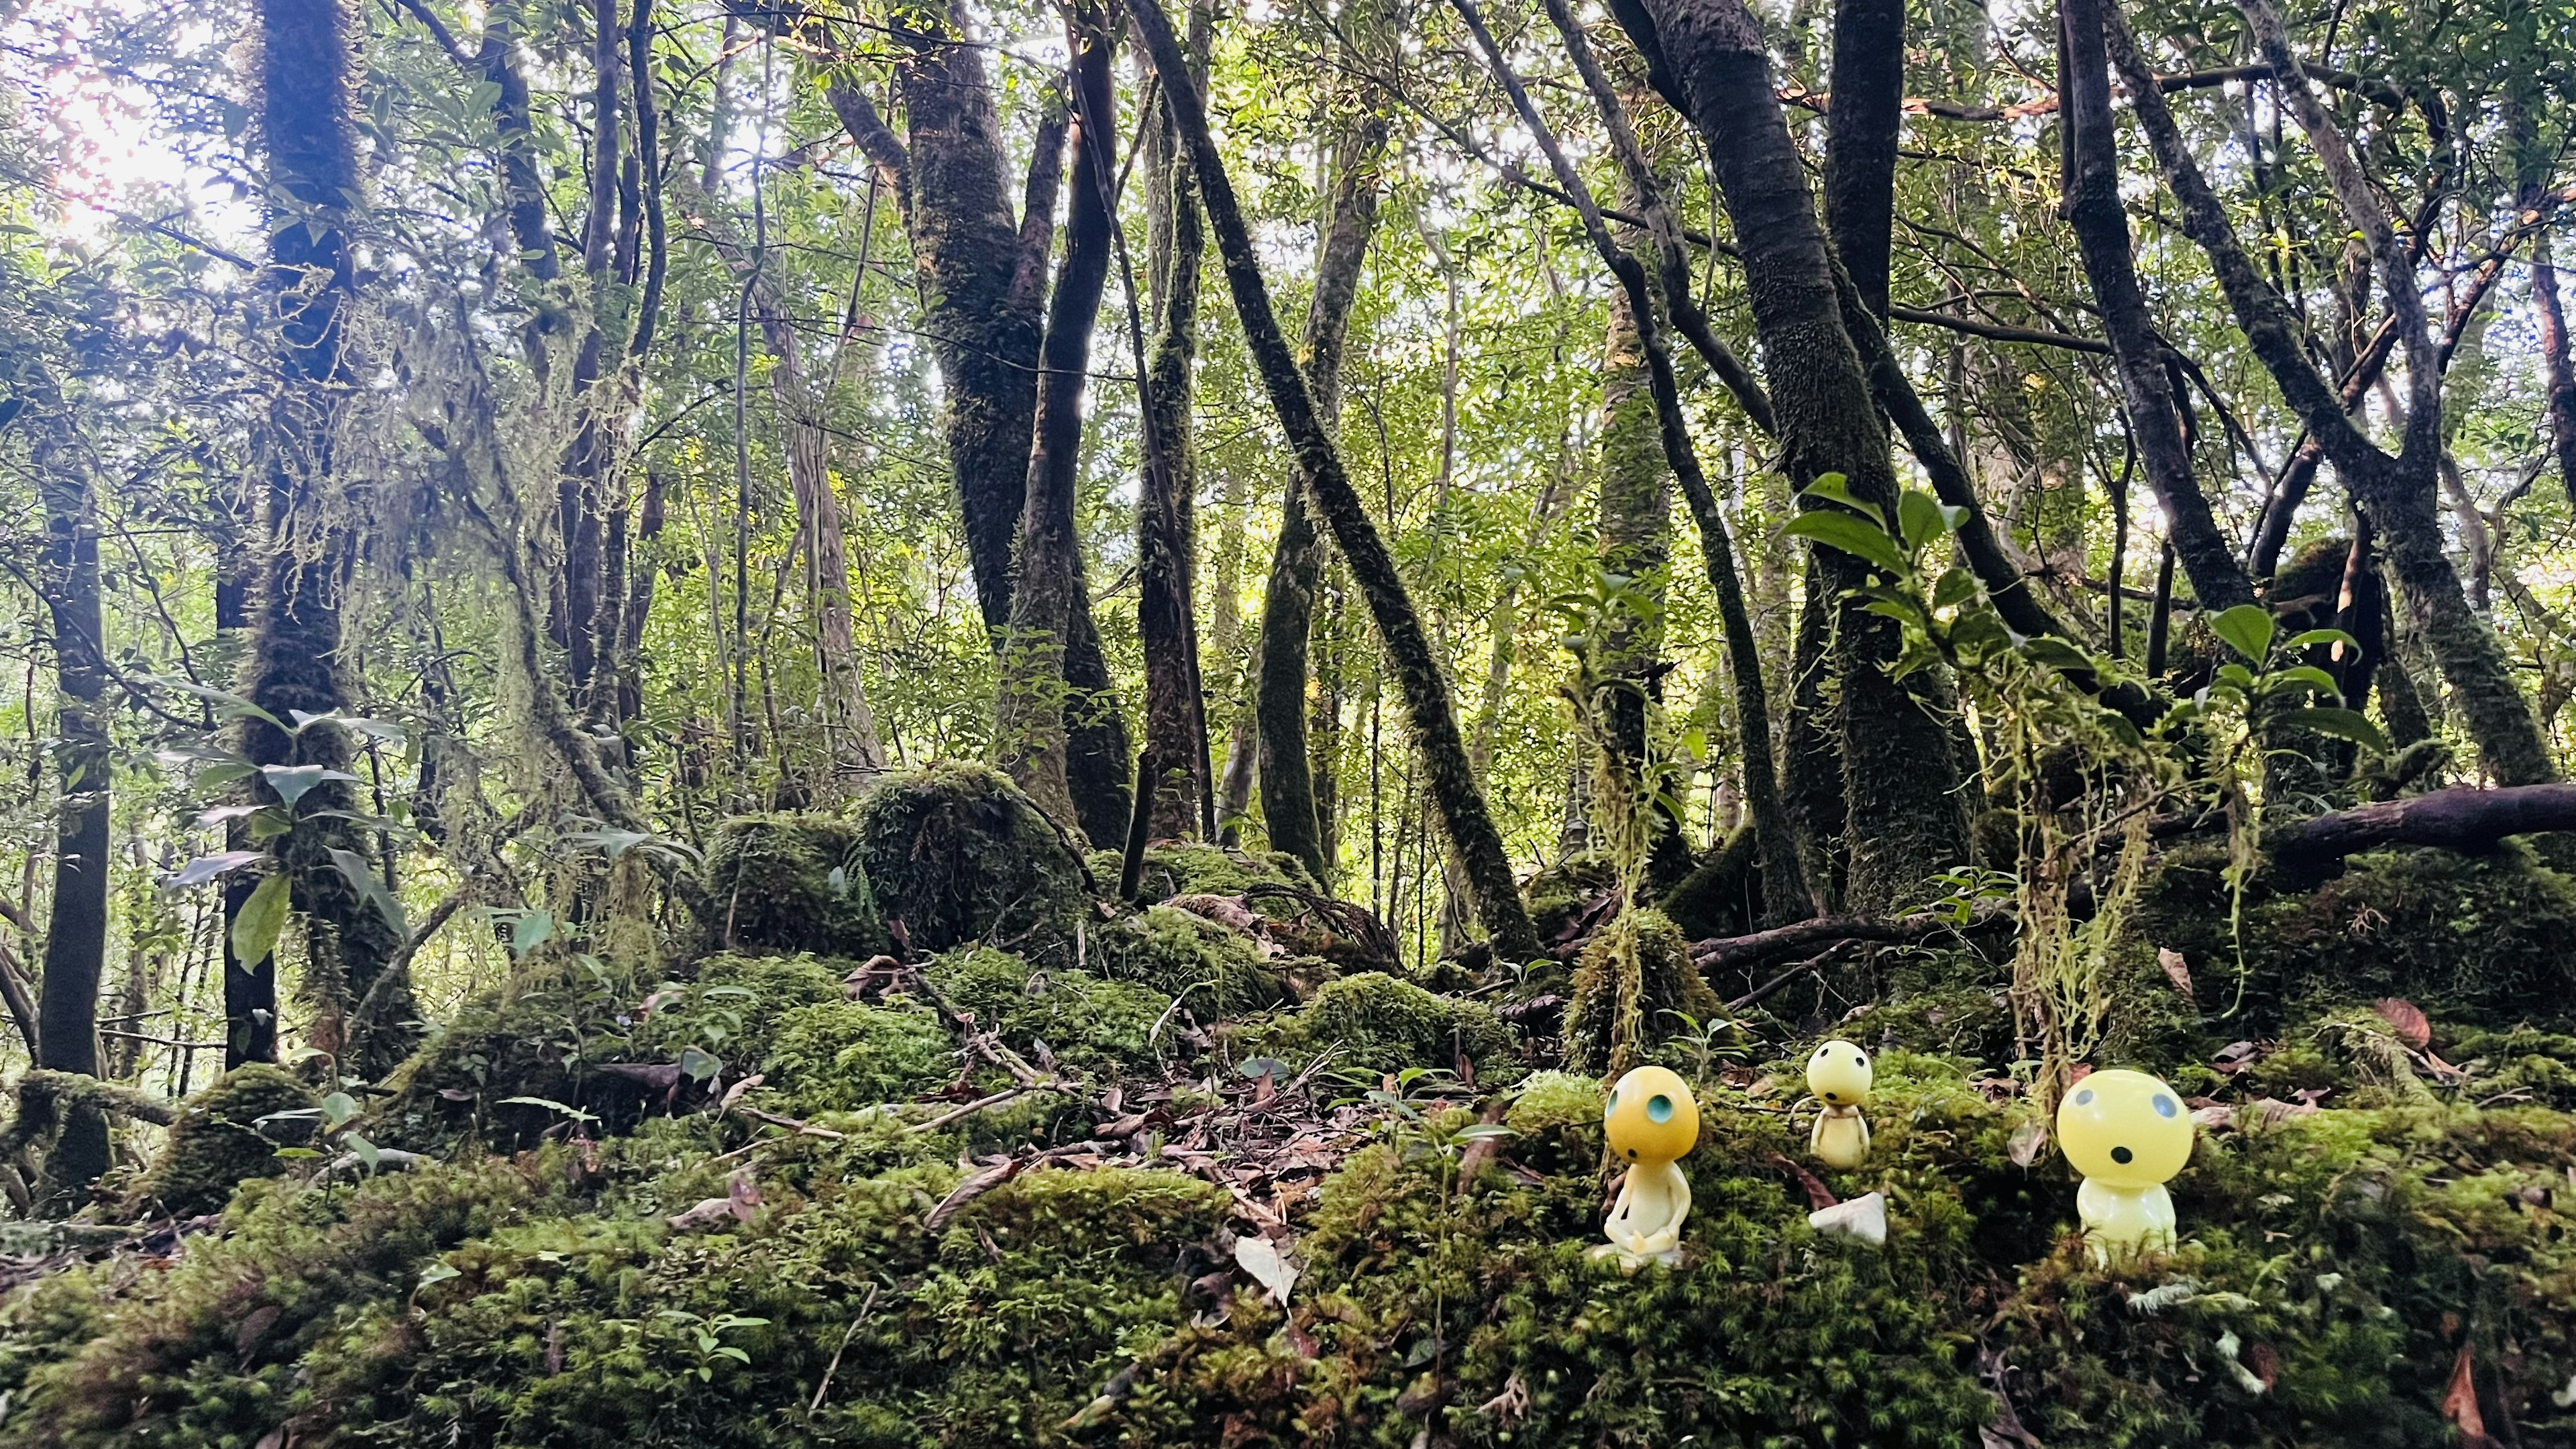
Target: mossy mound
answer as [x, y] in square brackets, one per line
[1223, 972]
[543, 1034]
[1556, 892]
[1666, 982]
[217, 1142]
[1073, 1018]
[2467, 937]
[1375, 1023]
[1555, 1119]
[792, 883]
[1184, 868]
[957, 855]
[840, 1056]
[1722, 895]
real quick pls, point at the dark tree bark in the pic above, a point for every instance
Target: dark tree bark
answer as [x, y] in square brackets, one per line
[2553, 353]
[1430, 716]
[1900, 780]
[1868, 89]
[76, 933]
[2399, 492]
[1172, 769]
[2464, 819]
[2101, 226]
[1811, 766]
[983, 279]
[1290, 809]
[1049, 598]
[308, 68]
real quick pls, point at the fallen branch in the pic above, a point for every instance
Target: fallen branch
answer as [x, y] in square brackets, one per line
[2465, 819]
[1735, 953]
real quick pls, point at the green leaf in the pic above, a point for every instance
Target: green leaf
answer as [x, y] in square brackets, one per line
[1919, 518]
[368, 1152]
[210, 867]
[1482, 1130]
[2302, 676]
[1957, 587]
[1834, 488]
[256, 926]
[2313, 638]
[529, 931]
[2343, 724]
[1853, 536]
[294, 782]
[362, 876]
[698, 1065]
[2248, 629]
[2057, 654]
[437, 1273]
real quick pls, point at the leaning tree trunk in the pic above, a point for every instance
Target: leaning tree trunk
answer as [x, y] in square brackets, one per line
[1430, 714]
[76, 933]
[308, 89]
[1288, 793]
[1900, 779]
[1172, 770]
[1868, 89]
[1034, 707]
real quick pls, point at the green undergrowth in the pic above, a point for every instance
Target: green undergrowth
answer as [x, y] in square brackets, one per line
[219, 1141]
[1375, 1023]
[1185, 868]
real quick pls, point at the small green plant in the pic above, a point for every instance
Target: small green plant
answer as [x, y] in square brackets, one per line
[707, 1336]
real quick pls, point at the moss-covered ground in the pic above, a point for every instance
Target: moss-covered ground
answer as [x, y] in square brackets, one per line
[1036, 1185]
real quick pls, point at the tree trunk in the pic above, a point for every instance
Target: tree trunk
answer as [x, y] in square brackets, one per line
[76, 933]
[2101, 224]
[1289, 807]
[1430, 716]
[1811, 768]
[308, 109]
[1868, 89]
[1173, 768]
[1037, 702]
[1900, 779]
[2553, 353]
[1623, 669]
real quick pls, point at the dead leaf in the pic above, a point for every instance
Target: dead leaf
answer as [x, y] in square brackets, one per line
[2027, 1142]
[734, 1093]
[2236, 1056]
[966, 1192]
[2408, 1020]
[254, 1328]
[1269, 1265]
[1819, 1196]
[2177, 971]
[2460, 1401]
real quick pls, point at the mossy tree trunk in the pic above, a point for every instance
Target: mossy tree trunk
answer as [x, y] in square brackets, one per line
[76, 930]
[2101, 224]
[1049, 598]
[1173, 767]
[1290, 808]
[983, 279]
[1634, 532]
[1900, 779]
[1430, 715]
[308, 83]
[1868, 88]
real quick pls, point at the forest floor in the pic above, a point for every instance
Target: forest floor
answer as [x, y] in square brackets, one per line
[940, 1147]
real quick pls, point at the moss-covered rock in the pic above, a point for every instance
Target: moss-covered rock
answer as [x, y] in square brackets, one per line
[957, 855]
[1072, 1017]
[1665, 982]
[543, 1034]
[1183, 868]
[792, 882]
[217, 1142]
[1374, 1022]
[1555, 1119]
[1174, 952]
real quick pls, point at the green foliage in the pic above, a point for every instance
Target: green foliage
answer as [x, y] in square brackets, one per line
[1374, 1023]
[792, 883]
[958, 855]
[217, 1142]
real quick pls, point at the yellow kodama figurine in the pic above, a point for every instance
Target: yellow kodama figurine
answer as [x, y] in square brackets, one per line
[1652, 1123]
[1839, 1075]
[2127, 1133]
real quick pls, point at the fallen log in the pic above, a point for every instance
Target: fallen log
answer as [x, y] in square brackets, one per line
[2466, 819]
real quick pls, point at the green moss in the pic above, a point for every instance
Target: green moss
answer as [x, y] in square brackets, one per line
[1223, 971]
[1078, 1019]
[1555, 1119]
[216, 1144]
[1555, 893]
[542, 1033]
[1722, 895]
[792, 883]
[1667, 982]
[958, 855]
[838, 1056]
[1189, 868]
[1377, 1023]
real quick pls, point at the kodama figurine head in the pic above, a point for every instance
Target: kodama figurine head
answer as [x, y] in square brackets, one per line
[1839, 1074]
[2124, 1129]
[1651, 1116]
